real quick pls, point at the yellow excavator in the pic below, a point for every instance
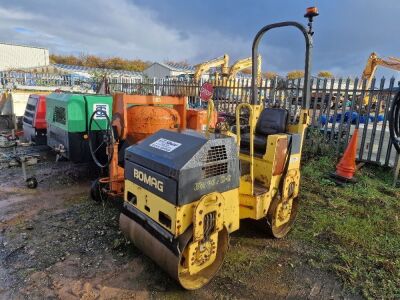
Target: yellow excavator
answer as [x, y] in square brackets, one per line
[370, 69]
[229, 81]
[243, 64]
[222, 61]
[372, 64]
[226, 72]
[186, 192]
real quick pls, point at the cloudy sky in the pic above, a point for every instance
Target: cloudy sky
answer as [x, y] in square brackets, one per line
[157, 30]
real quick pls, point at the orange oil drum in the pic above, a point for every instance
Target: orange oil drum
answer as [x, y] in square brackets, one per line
[143, 121]
[196, 119]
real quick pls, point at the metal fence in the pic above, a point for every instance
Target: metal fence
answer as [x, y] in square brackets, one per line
[46, 81]
[338, 106]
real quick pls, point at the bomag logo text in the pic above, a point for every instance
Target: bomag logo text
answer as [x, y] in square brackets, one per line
[149, 180]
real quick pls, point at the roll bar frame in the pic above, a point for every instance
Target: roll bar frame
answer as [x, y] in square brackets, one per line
[307, 67]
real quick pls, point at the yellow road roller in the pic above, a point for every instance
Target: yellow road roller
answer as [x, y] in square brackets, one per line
[186, 191]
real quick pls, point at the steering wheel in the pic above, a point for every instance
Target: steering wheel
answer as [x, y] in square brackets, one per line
[106, 138]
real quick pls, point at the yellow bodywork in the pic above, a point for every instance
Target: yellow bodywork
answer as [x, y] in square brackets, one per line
[253, 199]
[201, 251]
[256, 205]
[182, 217]
[190, 241]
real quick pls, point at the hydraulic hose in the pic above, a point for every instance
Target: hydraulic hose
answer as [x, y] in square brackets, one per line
[394, 122]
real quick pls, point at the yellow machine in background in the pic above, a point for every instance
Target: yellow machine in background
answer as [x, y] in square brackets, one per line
[227, 73]
[227, 83]
[243, 64]
[370, 68]
[372, 64]
[222, 62]
[185, 191]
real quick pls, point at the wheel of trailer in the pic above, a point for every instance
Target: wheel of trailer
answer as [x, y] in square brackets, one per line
[196, 281]
[96, 191]
[281, 216]
[100, 139]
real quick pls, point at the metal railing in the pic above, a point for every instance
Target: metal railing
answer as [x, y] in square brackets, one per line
[42, 81]
[337, 106]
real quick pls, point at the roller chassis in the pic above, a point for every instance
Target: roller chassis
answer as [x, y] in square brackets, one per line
[187, 234]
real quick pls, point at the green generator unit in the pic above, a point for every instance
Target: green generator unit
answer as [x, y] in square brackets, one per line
[68, 116]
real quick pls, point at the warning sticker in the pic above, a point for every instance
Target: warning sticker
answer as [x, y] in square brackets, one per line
[165, 145]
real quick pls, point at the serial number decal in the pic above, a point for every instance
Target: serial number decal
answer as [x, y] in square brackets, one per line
[165, 145]
[209, 183]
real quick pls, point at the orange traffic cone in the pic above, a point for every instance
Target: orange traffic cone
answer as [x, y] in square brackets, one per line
[346, 167]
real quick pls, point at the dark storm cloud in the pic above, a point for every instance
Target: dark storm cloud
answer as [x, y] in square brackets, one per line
[106, 28]
[346, 31]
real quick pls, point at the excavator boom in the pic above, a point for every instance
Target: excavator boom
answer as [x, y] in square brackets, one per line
[372, 64]
[201, 68]
[243, 64]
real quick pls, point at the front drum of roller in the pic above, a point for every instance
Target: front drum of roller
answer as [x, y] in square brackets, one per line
[170, 262]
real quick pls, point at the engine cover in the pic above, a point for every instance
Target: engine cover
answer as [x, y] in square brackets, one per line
[182, 166]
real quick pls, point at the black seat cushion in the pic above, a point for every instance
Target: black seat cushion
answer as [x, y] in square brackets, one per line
[260, 142]
[271, 121]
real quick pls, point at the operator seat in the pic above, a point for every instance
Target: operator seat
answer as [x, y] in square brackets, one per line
[270, 121]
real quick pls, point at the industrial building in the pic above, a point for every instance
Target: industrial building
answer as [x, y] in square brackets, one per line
[81, 71]
[163, 70]
[20, 56]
